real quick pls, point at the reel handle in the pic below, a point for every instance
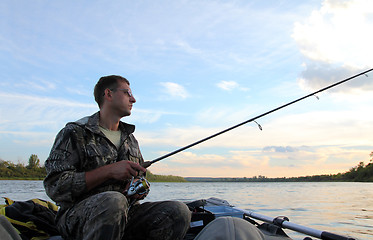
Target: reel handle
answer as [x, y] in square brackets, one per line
[140, 187]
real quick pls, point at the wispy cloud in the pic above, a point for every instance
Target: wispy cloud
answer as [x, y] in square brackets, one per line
[280, 149]
[35, 84]
[150, 116]
[28, 123]
[226, 115]
[227, 85]
[343, 129]
[230, 86]
[185, 46]
[174, 90]
[30, 112]
[79, 91]
[249, 163]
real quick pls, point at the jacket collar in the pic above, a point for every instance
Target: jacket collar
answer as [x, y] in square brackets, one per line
[92, 124]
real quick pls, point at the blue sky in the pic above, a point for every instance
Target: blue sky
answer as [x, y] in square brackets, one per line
[196, 68]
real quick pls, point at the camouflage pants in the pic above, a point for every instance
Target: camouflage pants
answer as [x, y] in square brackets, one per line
[106, 216]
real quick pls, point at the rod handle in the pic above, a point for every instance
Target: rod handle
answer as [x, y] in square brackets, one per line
[146, 164]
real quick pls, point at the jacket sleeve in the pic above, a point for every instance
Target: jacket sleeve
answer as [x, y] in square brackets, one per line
[63, 183]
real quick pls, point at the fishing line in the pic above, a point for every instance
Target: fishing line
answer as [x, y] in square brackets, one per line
[148, 163]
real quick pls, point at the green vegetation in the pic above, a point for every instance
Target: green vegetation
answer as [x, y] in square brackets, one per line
[163, 178]
[33, 171]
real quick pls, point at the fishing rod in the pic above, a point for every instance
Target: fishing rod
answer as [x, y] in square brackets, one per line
[148, 163]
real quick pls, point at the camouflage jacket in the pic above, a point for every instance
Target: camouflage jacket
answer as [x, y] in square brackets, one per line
[80, 147]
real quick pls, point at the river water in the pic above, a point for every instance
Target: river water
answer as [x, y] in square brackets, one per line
[342, 208]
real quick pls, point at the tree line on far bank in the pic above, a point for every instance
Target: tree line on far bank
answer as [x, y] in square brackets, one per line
[359, 173]
[33, 171]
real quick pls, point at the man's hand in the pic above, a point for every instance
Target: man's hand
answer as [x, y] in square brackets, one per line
[125, 169]
[122, 170]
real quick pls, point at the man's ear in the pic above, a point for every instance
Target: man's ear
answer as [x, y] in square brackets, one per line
[108, 93]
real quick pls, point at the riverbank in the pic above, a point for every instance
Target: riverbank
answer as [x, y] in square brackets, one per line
[359, 173]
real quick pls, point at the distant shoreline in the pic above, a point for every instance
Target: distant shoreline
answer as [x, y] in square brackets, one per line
[359, 173]
[212, 180]
[274, 180]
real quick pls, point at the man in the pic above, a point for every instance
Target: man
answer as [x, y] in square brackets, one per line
[89, 168]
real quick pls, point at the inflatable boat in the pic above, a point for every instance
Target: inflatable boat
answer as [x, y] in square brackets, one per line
[206, 211]
[212, 218]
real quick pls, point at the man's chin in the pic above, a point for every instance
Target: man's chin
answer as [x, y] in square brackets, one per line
[126, 114]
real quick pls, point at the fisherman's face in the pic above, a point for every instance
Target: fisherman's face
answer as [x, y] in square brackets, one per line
[123, 99]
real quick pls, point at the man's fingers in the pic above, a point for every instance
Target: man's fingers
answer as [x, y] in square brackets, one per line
[133, 172]
[137, 167]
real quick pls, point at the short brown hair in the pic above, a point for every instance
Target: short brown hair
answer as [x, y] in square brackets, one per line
[105, 82]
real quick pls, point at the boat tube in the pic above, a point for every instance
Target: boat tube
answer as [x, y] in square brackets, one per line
[272, 228]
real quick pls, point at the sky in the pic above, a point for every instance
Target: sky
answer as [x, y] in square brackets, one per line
[196, 68]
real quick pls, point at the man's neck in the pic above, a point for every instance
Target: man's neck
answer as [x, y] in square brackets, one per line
[109, 121]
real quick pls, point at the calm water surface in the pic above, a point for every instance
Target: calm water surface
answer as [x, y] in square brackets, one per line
[343, 208]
